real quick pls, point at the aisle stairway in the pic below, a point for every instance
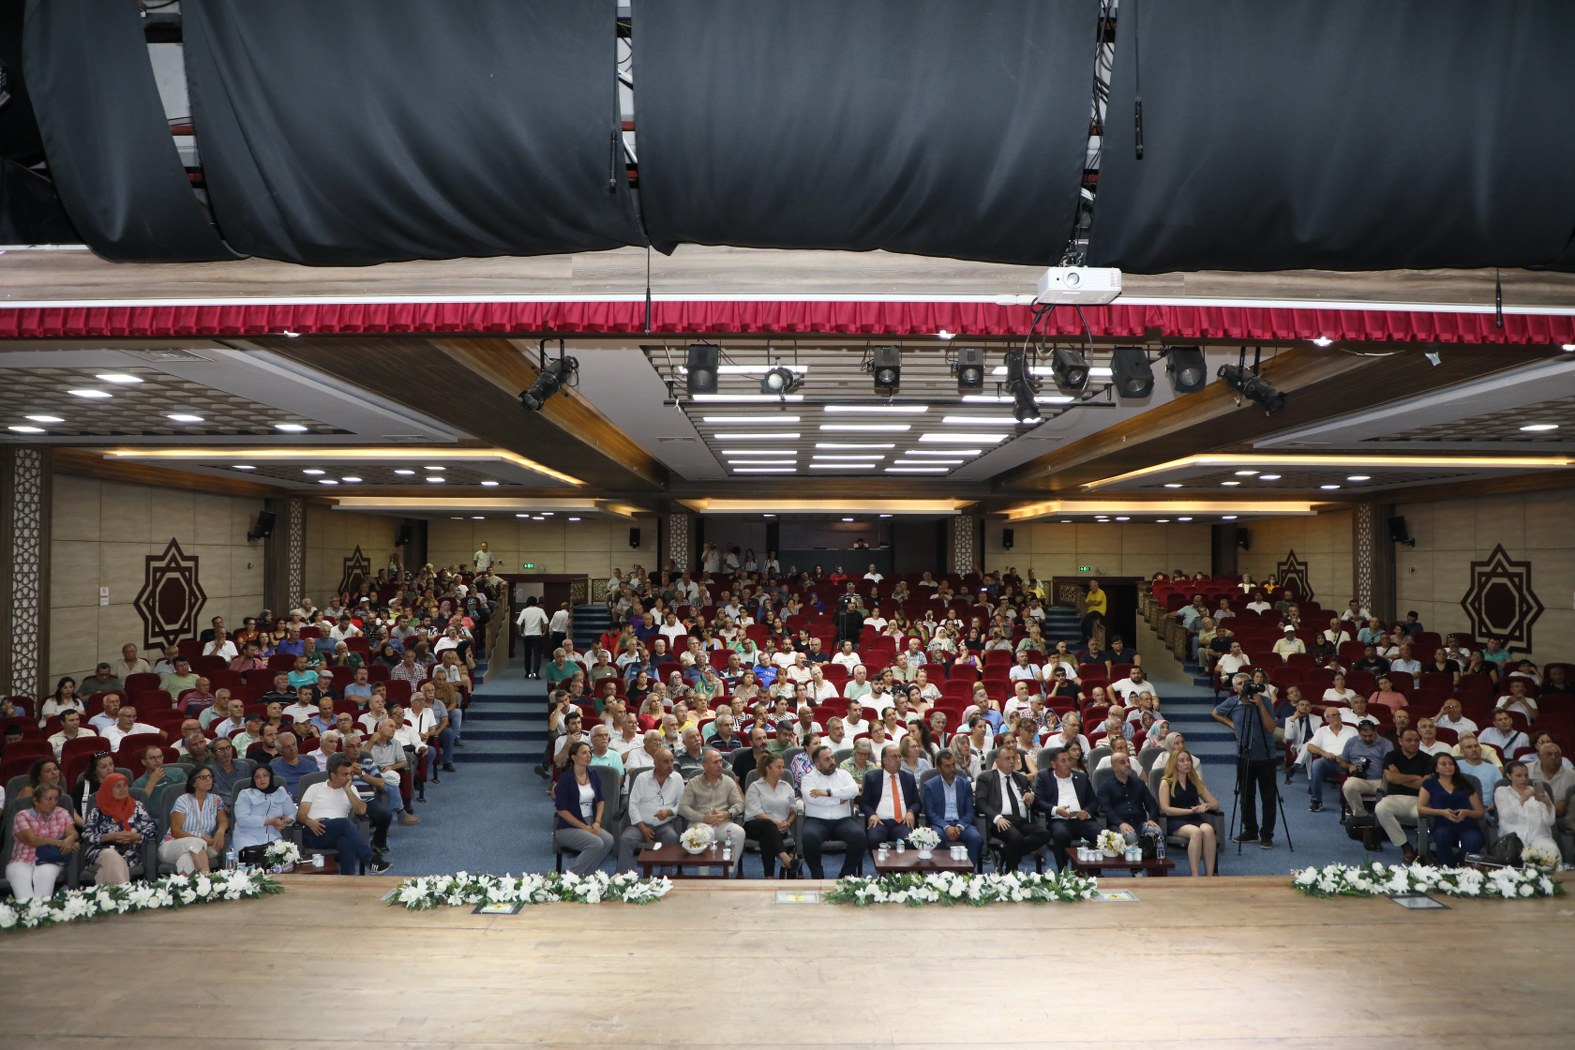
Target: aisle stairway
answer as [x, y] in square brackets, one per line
[590, 623]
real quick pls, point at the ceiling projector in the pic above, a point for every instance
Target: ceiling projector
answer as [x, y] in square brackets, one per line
[1080, 285]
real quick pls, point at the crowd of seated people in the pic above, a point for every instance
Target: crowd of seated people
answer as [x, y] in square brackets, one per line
[323, 723]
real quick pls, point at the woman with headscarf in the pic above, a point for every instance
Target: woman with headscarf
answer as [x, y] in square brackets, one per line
[116, 829]
[262, 811]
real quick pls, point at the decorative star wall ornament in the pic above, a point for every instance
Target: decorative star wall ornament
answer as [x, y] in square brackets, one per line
[1292, 574]
[357, 567]
[171, 597]
[1500, 601]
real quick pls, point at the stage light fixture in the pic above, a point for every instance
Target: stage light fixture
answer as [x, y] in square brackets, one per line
[1070, 369]
[886, 369]
[1189, 373]
[1131, 371]
[779, 381]
[1252, 387]
[1020, 386]
[549, 382]
[701, 368]
[969, 369]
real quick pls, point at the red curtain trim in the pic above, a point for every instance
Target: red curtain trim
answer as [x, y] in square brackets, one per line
[850, 318]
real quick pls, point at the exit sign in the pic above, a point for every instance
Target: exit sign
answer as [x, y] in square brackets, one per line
[1085, 568]
[527, 565]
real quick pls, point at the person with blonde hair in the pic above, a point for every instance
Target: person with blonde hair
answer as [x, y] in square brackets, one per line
[1186, 801]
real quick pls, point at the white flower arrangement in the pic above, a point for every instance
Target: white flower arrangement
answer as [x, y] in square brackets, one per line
[463, 888]
[1111, 842]
[1540, 857]
[697, 837]
[924, 837]
[172, 891]
[282, 852]
[1374, 879]
[949, 887]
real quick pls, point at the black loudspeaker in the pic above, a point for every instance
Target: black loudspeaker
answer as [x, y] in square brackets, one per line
[701, 368]
[264, 527]
[1007, 536]
[406, 533]
[1398, 532]
[634, 537]
[1244, 539]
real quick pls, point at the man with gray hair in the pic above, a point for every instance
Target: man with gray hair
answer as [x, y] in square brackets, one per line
[653, 805]
[644, 756]
[713, 798]
[690, 756]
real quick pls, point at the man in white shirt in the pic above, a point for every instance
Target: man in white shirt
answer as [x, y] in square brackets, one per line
[71, 728]
[125, 725]
[1336, 635]
[1517, 700]
[1135, 682]
[1434, 746]
[1233, 661]
[874, 575]
[1300, 728]
[305, 705]
[827, 792]
[846, 657]
[877, 700]
[1289, 644]
[671, 629]
[532, 623]
[1324, 754]
[328, 809]
[1023, 671]
[482, 559]
[1450, 717]
[1403, 662]
[1502, 734]
[653, 805]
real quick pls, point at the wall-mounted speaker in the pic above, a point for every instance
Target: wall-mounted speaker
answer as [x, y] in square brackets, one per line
[1398, 532]
[1244, 539]
[1007, 537]
[634, 537]
[406, 533]
[264, 526]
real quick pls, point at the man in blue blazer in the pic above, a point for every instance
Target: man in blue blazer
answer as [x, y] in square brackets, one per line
[948, 807]
[890, 800]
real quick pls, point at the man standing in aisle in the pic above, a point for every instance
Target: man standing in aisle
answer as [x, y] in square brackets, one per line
[558, 627]
[533, 626]
[482, 559]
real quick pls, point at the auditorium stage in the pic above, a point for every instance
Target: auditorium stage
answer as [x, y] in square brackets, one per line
[1244, 960]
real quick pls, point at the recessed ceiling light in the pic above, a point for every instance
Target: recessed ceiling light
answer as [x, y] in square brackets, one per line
[1173, 484]
[1229, 484]
[918, 470]
[478, 517]
[1328, 487]
[405, 473]
[46, 419]
[847, 519]
[859, 410]
[435, 470]
[754, 399]
[327, 481]
[764, 470]
[1530, 428]
[757, 436]
[1183, 519]
[1162, 521]
[757, 452]
[885, 515]
[89, 392]
[290, 428]
[574, 519]
[1268, 477]
[867, 457]
[870, 428]
[1123, 517]
[1227, 517]
[1098, 372]
[1360, 477]
[1006, 399]
[981, 421]
[123, 378]
[244, 466]
[460, 517]
[1323, 340]
[351, 479]
[313, 471]
[944, 452]
[768, 515]
[183, 417]
[490, 484]
[537, 517]
[752, 462]
[852, 444]
[963, 439]
[928, 462]
[548, 513]
[517, 516]
[1245, 473]
[866, 465]
[26, 430]
[436, 480]
[1066, 521]
[751, 419]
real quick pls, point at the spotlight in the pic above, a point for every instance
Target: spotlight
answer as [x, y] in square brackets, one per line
[551, 380]
[1188, 371]
[1252, 387]
[1070, 369]
[886, 368]
[779, 380]
[1134, 376]
[701, 367]
[1020, 385]
[969, 370]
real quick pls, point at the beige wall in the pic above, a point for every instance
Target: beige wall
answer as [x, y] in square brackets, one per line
[1124, 549]
[1433, 576]
[593, 546]
[333, 535]
[102, 532]
[1322, 542]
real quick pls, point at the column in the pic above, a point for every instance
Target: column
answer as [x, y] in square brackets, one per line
[284, 579]
[963, 546]
[25, 496]
[1372, 560]
[680, 541]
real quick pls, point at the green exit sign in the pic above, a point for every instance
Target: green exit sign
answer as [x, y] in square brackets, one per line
[1085, 568]
[527, 565]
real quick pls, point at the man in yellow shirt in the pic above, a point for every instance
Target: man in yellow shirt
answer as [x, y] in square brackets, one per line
[1094, 609]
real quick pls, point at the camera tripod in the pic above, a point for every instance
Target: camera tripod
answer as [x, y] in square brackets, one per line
[1243, 750]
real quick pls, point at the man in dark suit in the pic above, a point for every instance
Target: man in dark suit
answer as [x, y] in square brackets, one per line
[890, 800]
[948, 806]
[1066, 797]
[1005, 800]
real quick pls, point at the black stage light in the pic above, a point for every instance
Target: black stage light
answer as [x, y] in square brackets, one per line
[1252, 387]
[701, 368]
[1189, 373]
[1133, 375]
[1020, 385]
[779, 380]
[969, 370]
[886, 369]
[551, 380]
[1070, 369]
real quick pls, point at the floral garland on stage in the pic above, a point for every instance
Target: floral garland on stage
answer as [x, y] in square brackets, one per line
[172, 891]
[431, 891]
[950, 887]
[1374, 879]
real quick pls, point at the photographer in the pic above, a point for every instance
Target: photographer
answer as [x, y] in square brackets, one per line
[1362, 760]
[1246, 711]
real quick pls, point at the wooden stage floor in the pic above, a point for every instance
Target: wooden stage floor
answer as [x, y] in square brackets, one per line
[1238, 962]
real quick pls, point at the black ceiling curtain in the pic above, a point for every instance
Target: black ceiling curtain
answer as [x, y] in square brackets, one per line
[1340, 134]
[924, 126]
[348, 132]
[106, 137]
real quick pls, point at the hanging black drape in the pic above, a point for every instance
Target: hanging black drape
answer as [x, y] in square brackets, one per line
[1341, 134]
[106, 136]
[343, 132]
[923, 126]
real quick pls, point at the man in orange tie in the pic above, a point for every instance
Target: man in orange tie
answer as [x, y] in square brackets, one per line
[890, 801]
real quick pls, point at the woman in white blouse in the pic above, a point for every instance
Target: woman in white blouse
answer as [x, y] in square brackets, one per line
[1526, 810]
[1338, 693]
[769, 813]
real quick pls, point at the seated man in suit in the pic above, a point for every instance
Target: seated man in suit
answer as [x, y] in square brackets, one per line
[948, 806]
[1066, 797]
[889, 802]
[1005, 800]
[1126, 802]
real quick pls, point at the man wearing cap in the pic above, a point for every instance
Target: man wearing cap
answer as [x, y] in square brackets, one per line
[102, 680]
[1289, 644]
